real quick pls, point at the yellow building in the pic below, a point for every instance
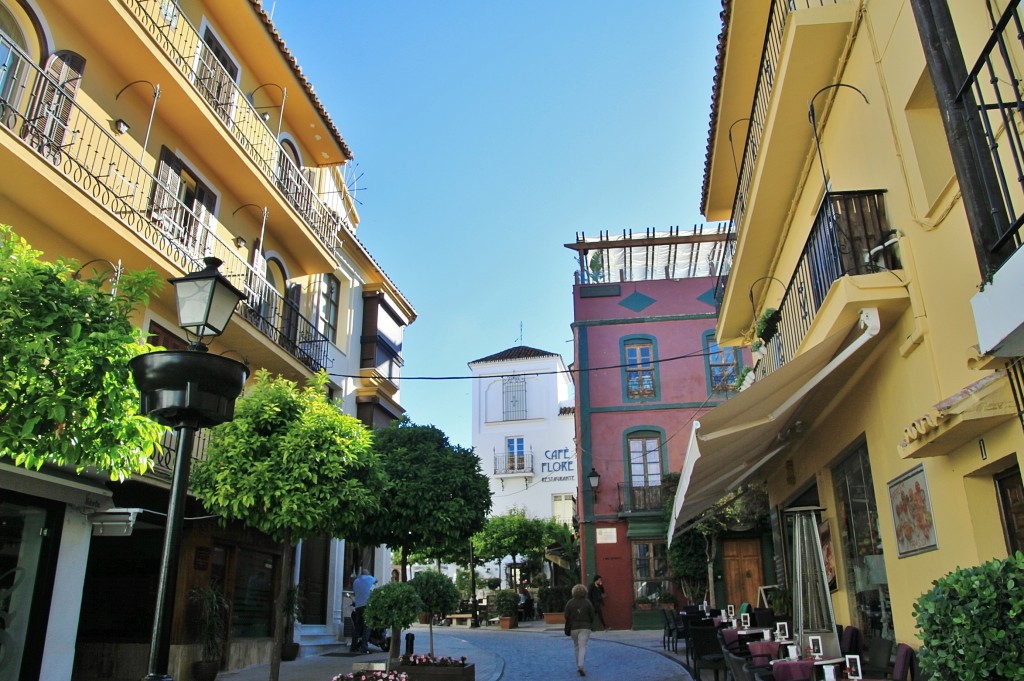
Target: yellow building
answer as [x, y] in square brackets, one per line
[153, 133]
[886, 394]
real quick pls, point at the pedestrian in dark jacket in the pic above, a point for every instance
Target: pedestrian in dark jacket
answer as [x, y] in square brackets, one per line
[596, 596]
[579, 620]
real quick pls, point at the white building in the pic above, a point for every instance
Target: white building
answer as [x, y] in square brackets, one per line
[523, 431]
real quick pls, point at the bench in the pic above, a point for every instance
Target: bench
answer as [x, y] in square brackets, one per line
[462, 619]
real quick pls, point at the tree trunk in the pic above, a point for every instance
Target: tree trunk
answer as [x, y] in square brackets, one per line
[396, 647]
[405, 562]
[283, 582]
[431, 627]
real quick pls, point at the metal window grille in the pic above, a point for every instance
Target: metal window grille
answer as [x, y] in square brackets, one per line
[513, 398]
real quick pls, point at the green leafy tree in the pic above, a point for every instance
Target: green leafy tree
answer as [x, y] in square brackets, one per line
[438, 595]
[691, 557]
[464, 584]
[293, 466]
[568, 552]
[434, 495]
[67, 397]
[512, 534]
[394, 606]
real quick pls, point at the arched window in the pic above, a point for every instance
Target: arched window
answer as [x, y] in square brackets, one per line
[11, 62]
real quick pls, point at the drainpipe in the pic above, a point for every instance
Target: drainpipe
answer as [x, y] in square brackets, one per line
[974, 171]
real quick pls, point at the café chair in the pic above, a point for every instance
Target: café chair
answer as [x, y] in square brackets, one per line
[670, 631]
[904, 662]
[707, 653]
[849, 642]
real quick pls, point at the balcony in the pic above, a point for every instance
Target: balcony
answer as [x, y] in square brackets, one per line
[513, 465]
[83, 152]
[165, 452]
[182, 44]
[639, 499]
[803, 42]
[850, 236]
[993, 91]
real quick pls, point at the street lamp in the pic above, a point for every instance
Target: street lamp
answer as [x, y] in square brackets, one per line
[594, 478]
[187, 390]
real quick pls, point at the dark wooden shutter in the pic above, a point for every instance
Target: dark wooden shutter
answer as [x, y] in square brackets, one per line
[52, 100]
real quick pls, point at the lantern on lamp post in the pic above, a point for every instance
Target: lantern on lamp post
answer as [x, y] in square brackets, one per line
[187, 390]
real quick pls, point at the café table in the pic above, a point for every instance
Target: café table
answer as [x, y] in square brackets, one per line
[791, 670]
[764, 649]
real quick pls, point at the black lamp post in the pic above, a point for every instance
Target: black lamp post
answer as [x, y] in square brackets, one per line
[474, 621]
[187, 390]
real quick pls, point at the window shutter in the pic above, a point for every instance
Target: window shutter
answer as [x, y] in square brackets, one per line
[53, 98]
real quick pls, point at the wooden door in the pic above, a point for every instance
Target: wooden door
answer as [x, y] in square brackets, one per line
[741, 568]
[1011, 498]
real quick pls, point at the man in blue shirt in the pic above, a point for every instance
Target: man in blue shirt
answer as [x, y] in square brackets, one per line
[360, 632]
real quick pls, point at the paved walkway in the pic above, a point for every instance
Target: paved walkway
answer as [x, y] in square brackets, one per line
[448, 641]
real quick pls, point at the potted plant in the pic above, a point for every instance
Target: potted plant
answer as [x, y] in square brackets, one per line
[437, 594]
[393, 606]
[744, 379]
[292, 608]
[643, 603]
[667, 600]
[552, 600]
[209, 617]
[967, 622]
[430, 668]
[768, 324]
[506, 604]
[758, 350]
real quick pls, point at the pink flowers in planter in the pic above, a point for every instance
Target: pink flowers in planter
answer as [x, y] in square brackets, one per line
[431, 661]
[372, 676]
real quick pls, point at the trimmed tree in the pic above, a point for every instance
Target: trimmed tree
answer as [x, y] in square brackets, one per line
[293, 466]
[438, 595]
[434, 497]
[395, 606]
[67, 397]
[511, 534]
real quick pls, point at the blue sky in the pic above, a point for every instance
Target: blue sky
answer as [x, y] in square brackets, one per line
[487, 135]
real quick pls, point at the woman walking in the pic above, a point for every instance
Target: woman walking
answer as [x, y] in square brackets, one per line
[579, 619]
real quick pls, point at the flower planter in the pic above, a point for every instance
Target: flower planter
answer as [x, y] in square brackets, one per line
[554, 618]
[508, 622]
[419, 672]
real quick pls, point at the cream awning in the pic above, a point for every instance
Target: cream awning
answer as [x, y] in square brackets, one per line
[734, 440]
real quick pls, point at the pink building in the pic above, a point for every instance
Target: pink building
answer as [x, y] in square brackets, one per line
[646, 366]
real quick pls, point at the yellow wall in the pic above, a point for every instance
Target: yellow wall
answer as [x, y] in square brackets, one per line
[893, 143]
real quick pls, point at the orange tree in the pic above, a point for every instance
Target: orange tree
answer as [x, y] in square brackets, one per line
[434, 495]
[67, 396]
[292, 465]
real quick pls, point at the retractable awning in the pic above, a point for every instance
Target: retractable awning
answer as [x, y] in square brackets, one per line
[734, 440]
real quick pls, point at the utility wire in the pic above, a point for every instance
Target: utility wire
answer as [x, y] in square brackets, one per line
[638, 367]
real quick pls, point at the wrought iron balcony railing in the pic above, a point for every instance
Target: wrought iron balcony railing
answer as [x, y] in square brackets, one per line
[771, 52]
[88, 155]
[513, 464]
[850, 235]
[638, 499]
[163, 457]
[993, 90]
[182, 43]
